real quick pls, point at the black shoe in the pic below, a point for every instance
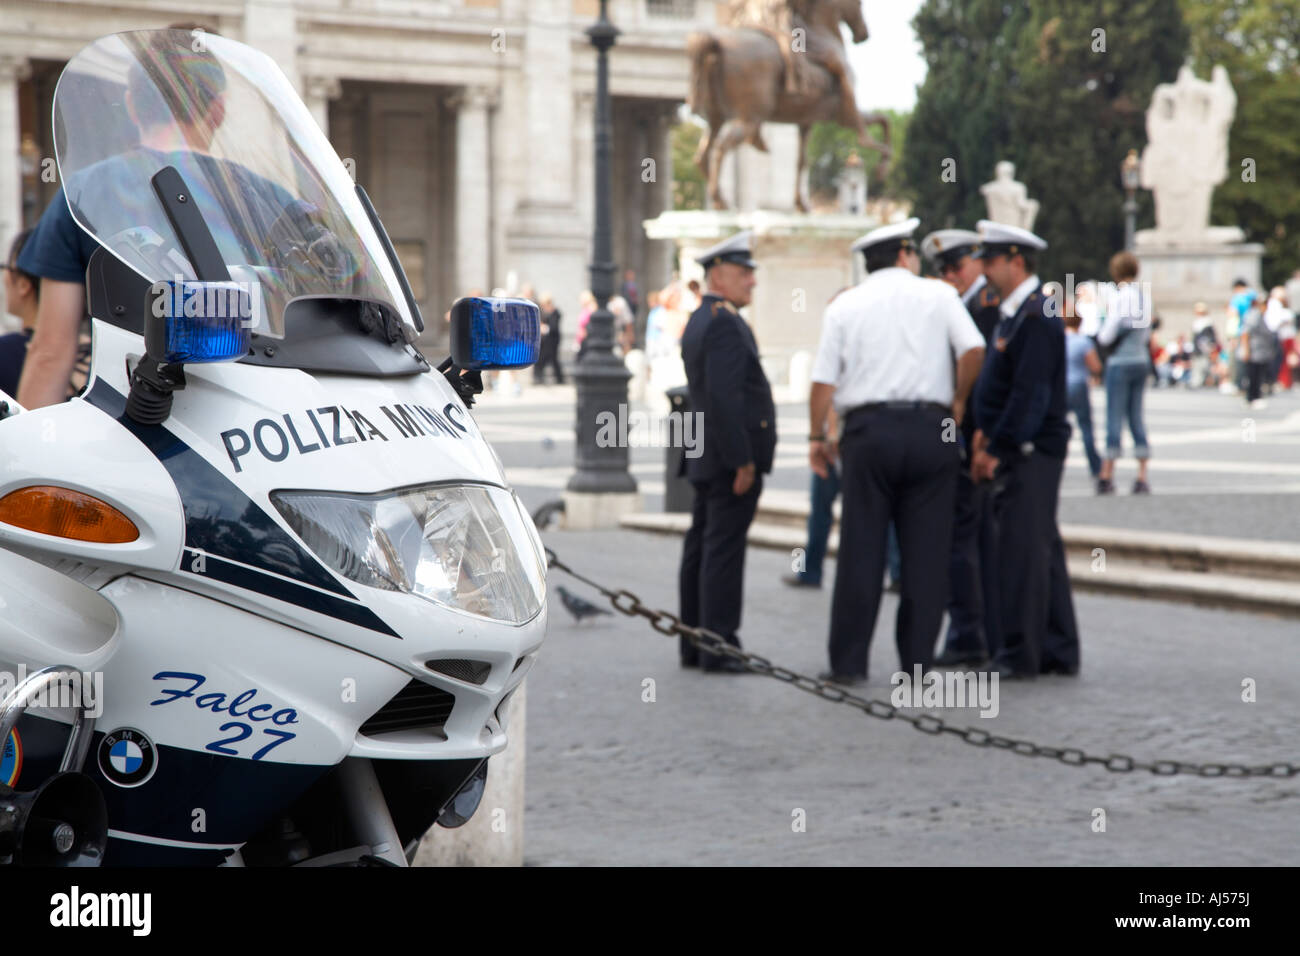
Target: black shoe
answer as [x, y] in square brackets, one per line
[799, 581]
[844, 680]
[1141, 488]
[954, 658]
[1062, 669]
[727, 665]
[1105, 486]
[1007, 672]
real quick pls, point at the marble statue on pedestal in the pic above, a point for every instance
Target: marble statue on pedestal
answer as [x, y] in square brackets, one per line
[1007, 200]
[1187, 156]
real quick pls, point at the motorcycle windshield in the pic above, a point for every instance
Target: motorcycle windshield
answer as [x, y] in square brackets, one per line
[279, 203]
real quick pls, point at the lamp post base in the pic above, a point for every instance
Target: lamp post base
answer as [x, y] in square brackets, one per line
[596, 511]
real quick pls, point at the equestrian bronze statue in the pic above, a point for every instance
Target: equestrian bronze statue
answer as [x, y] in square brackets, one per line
[778, 61]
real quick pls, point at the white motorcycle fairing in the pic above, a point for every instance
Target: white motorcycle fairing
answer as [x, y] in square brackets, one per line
[249, 666]
[237, 677]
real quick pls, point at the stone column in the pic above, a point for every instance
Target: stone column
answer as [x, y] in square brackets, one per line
[584, 119]
[317, 93]
[272, 27]
[546, 68]
[12, 70]
[473, 189]
[659, 253]
[635, 206]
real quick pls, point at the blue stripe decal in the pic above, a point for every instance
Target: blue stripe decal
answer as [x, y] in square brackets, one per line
[251, 580]
[222, 521]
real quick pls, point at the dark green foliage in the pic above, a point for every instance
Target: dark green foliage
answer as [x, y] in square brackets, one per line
[688, 181]
[1258, 42]
[1036, 84]
[830, 145]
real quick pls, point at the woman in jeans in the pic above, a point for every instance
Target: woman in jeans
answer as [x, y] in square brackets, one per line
[1126, 332]
[1081, 364]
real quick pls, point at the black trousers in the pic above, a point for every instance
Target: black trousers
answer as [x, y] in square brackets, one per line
[548, 355]
[896, 467]
[1256, 372]
[712, 574]
[973, 626]
[1039, 631]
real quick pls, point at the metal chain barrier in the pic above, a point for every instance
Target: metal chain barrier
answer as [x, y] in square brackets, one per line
[625, 602]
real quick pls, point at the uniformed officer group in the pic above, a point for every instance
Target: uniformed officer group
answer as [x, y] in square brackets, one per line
[951, 407]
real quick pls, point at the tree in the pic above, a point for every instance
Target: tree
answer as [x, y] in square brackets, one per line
[688, 181]
[1060, 89]
[960, 120]
[1087, 74]
[830, 145]
[1258, 42]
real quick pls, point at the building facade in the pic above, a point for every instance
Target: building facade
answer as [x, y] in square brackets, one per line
[469, 122]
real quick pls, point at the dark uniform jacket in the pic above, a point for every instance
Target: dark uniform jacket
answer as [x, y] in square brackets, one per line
[727, 385]
[1020, 394]
[983, 309]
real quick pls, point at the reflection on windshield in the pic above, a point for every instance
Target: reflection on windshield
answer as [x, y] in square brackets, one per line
[279, 204]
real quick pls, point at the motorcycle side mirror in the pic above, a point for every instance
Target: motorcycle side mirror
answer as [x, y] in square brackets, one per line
[493, 333]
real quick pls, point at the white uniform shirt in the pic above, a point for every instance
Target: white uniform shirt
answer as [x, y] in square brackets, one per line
[892, 338]
[973, 290]
[1012, 303]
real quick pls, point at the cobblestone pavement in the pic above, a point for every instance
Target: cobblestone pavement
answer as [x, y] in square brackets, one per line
[1217, 468]
[714, 770]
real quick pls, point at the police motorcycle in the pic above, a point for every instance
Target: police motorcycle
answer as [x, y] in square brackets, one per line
[265, 593]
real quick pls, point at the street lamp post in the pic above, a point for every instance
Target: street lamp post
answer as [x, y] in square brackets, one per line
[1128, 172]
[601, 378]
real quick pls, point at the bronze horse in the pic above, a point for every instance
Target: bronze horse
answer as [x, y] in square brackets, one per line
[738, 82]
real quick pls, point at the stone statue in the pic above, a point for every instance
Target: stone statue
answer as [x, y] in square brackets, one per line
[780, 61]
[1008, 200]
[1187, 156]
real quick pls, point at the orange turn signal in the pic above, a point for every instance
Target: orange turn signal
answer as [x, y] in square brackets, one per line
[65, 513]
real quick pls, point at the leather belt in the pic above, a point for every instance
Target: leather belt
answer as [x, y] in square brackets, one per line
[900, 406]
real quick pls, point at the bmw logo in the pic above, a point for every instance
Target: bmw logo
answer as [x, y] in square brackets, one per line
[127, 757]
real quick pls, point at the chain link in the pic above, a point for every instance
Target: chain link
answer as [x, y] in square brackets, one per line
[625, 602]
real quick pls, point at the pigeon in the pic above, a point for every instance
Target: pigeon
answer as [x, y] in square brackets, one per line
[578, 607]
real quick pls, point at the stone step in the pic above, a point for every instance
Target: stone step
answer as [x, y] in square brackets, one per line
[1272, 560]
[1208, 588]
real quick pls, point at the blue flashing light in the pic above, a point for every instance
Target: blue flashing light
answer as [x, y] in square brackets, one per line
[205, 321]
[490, 333]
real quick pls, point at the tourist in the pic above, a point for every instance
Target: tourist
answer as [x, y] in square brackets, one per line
[1081, 364]
[1126, 333]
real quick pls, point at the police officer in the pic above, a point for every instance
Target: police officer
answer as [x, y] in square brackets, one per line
[738, 427]
[885, 362]
[1020, 444]
[972, 601]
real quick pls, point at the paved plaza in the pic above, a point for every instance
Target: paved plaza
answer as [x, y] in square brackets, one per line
[715, 769]
[1217, 467]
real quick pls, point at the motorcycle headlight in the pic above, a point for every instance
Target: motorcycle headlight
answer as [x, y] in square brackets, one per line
[465, 547]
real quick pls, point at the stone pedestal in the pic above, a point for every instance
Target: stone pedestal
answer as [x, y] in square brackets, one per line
[751, 180]
[1181, 274]
[802, 262]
